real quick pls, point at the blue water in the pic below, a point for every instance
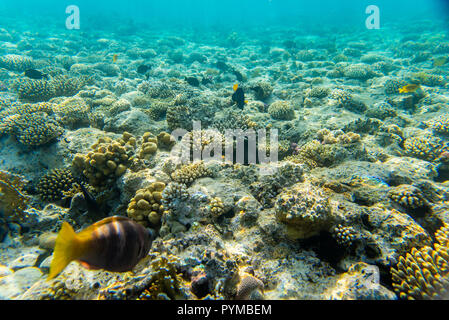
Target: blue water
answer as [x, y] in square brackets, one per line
[231, 14]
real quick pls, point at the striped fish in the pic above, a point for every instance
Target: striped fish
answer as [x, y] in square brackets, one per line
[114, 244]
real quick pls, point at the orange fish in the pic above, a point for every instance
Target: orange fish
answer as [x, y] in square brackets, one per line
[114, 58]
[114, 244]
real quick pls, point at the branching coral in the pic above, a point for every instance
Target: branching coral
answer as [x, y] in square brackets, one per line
[32, 129]
[53, 185]
[424, 273]
[190, 172]
[426, 147]
[408, 197]
[16, 62]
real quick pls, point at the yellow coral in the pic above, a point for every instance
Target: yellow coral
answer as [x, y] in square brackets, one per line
[424, 273]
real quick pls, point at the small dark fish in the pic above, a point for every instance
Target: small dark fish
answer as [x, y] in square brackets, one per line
[193, 81]
[142, 69]
[206, 80]
[35, 74]
[221, 66]
[239, 96]
[114, 244]
[93, 208]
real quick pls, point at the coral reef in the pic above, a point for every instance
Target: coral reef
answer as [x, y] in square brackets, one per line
[305, 209]
[146, 206]
[422, 274]
[54, 184]
[281, 110]
[13, 201]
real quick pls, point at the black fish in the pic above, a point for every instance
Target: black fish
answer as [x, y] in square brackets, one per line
[239, 98]
[206, 80]
[35, 74]
[238, 75]
[221, 65]
[93, 208]
[142, 69]
[193, 81]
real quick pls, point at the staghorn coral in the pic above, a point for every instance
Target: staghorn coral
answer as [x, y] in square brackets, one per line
[65, 86]
[423, 274]
[408, 197]
[338, 136]
[190, 172]
[108, 160]
[13, 202]
[429, 79]
[53, 185]
[146, 206]
[315, 154]
[281, 110]
[32, 90]
[425, 147]
[15, 62]
[305, 210]
[284, 174]
[158, 110]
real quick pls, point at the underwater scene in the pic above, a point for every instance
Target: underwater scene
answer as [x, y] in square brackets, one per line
[224, 150]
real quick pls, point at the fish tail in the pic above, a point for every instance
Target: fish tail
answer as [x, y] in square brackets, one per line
[67, 249]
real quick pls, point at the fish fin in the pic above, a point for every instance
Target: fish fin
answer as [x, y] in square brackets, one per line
[67, 249]
[235, 86]
[88, 266]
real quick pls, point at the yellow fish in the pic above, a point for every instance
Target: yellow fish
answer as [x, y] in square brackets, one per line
[114, 244]
[409, 88]
[440, 61]
[114, 58]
